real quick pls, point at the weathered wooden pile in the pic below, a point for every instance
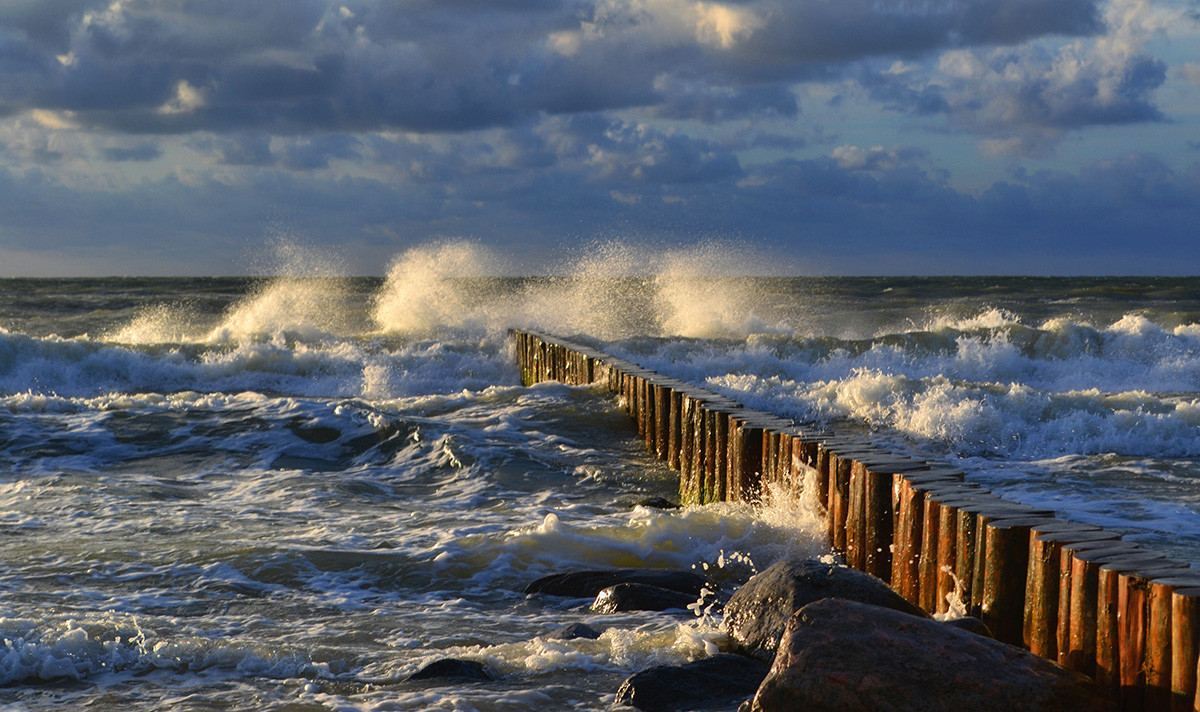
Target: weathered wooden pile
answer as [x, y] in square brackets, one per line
[1067, 591]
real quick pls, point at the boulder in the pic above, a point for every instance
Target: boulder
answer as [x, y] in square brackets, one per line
[713, 683]
[758, 611]
[843, 655]
[572, 631]
[587, 584]
[452, 668]
[640, 597]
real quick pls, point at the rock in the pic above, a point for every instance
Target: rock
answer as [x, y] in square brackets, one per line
[843, 655]
[657, 503]
[758, 611]
[640, 597]
[573, 631]
[587, 584]
[452, 668]
[970, 624]
[712, 683]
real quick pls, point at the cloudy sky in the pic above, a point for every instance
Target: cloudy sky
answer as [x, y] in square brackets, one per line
[162, 137]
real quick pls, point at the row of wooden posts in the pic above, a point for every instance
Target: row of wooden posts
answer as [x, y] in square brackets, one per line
[1067, 591]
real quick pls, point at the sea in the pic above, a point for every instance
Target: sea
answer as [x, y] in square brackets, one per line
[291, 492]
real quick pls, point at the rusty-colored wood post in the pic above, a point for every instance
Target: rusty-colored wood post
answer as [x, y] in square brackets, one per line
[1006, 563]
[1042, 585]
[1108, 613]
[1133, 621]
[1185, 647]
[674, 418]
[1077, 647]
[1161, 637]
[909, 502]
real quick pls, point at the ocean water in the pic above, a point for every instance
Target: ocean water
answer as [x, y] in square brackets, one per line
[290, 493]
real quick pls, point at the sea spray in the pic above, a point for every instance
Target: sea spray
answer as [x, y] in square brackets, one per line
[428, 291]
[704, 292]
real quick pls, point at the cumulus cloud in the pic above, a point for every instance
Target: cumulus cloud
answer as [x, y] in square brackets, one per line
[1022, 99]
[313, 65]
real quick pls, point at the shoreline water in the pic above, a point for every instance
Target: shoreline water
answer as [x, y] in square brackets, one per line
[247, 490]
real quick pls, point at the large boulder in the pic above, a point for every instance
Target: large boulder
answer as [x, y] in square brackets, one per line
[587, 584]
[640, 597]
[716, 683]
[841, 655]
[758, 611]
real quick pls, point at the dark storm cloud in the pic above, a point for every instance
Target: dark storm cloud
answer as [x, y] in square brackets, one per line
[296, 66]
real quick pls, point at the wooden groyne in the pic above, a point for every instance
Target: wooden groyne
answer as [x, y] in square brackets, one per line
[1068, 591]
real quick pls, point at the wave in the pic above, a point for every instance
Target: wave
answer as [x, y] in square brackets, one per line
[38, 651]
[987, 385]
[81, 367]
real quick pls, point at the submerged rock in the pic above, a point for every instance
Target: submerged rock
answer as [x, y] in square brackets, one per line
[453, 669]
[640, 597]
[842, 655]
[588, 584]
[713, 683]
[572, 631]
[758, 611]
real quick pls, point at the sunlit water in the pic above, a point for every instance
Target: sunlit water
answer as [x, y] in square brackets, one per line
[291, 493]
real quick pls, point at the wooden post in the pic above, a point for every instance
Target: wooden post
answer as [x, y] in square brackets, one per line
[721, 453]
[879, 480]
[1185, 648]
[687, 426]
[696, 415]
[745, 464]
[1133, 604]
[674, 418]
[1006, 557]
[1077, 647]
[1042, 586]
[947, 548]
[972, 565]
[662, 419]
[843, 522]
[1165, 631]
[909, 503]
[927, 564]
[1108, 613]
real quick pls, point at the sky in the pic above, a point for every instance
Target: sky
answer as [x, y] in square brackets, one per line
[835, 137]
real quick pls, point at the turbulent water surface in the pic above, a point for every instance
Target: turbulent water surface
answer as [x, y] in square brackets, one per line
[291, 493]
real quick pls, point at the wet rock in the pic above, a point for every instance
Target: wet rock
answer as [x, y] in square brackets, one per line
[716, 683]
[572, 631]
[640, 597]
[452, 669]
[587, 584]
[317, 434]
[971, 624]
[842, 655]
[658, 503]
[758, 611]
